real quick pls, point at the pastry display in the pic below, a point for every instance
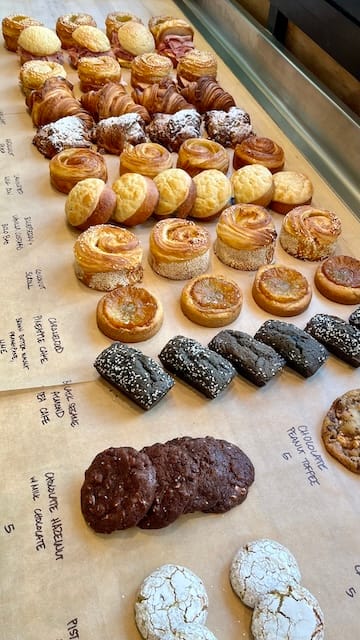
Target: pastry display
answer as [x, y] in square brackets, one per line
[67, 132]
[245, 237]
[228, 127]
[129, 314]
[354, 318]
[179, 249]
[88, 41]
[161, 97]
[338, 336]
[195, 64]
[256, 361]
[281, 290]
[149, 68]
[207, 94]
[136, 198]
[114, 133]
[130, 480]
[177, 193]
[89, 202]
[173, 37]
[338, 279]
[95, 71]
[139, 377]
[252, 184]
[291, 189]
[39, 43]
[171, 130]
[147, 158]
[112, 100]
[340, 430]
[213, 193]
[132, 39]
[261, 566]
[309, 233]
[66, 25]
[13, 25]
[74, 164]
[301, 352]
[259, 150]
[115, 19]
[107, 257]
[197, 154]
[33, 74]
[198, 366]
[55, 100]
[211, 301]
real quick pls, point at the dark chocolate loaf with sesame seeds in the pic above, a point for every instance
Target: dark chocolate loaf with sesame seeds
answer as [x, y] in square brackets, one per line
[337, 335]
[254, 360]
[138, 376]
[302, 352]
[199, 366]
[354, 318]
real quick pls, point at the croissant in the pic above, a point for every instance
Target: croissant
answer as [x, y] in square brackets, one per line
[112, 100]
[55, 100]
[206, 94]
[161, 97]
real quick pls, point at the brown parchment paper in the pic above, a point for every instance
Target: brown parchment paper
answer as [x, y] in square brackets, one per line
[59, 579]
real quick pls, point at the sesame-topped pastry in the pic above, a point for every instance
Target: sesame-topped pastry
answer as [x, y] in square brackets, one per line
[171, 130]
[39, 43]
[252, 184]
[259, 150]
[88, 41]
[245, 237]
[131, 39]
[149, 68]
[67, 23]
[228, 127]
[95, 71]
[13, 25]
[291, 189]
[33, 74]
[195, 64]
[309, 233]
[197, 154]
[115, 19]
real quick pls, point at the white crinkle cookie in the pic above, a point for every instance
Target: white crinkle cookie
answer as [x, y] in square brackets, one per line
[261, 566]
[290, 614]
[168, 598]
[193, 631]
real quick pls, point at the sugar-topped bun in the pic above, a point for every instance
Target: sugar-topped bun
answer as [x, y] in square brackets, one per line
[134, 39]
[66, 25]
[13, 25]
[177, 193]
[33, 74]
[252, 184]
[136, 198]
[291, 189]
[38, 42]
[89, 202]
[213, 193]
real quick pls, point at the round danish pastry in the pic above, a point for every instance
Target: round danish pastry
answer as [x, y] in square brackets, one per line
[34, 73]
[136, 198]
[147, 158]
[338, 279]
[149, 68]
[211, 301]
[66, 24]
[281, 291]
[88, 203]
[291, 189]
[245, 237]
[194, 64]
[213, 193]
[252, 184]
[197, 154]
[258, 150]
[13, 25]
[129, 314]
[95, 71]
[179, 249]
[74, 164]
[309, 233]
[115, 19]
[107, 257]
[177, 193]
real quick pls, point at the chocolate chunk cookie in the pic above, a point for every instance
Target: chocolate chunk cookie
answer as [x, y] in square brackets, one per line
[254, 360]
[177, 475]
[341, 430]
[337, 335]
[118, 489]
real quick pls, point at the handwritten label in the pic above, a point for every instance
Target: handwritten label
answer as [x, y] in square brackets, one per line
[17, 233]
[44, 331]
[6, 147]
[58, 406]
[352, 591]
[44, 493]
[311, 460]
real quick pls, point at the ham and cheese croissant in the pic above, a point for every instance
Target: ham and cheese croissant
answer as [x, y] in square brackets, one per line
[161, 97]
[112, 100]
[206, 94]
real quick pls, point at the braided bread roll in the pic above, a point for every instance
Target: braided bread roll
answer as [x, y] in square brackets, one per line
[206, 94]
[161, 97]
[112, 100]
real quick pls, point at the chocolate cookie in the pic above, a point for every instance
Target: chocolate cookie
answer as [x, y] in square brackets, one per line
[341, 430]
[354, 318]
[337, 335]
[118, 489]
[177, 475]
[254, 360]
[301, 354]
